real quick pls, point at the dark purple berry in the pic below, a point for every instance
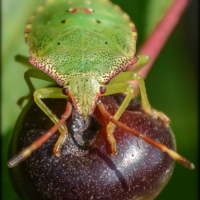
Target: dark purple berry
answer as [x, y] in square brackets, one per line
[85, 169]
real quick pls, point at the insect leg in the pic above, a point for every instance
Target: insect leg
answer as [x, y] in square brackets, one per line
[127, 76]
[24, 61]
[142, 61]
[33, 73]
[112, 89]
[52, 93]
[160, 146]
[25, 153]
[145, 102]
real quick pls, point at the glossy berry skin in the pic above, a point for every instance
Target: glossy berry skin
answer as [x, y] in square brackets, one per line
[86, 170]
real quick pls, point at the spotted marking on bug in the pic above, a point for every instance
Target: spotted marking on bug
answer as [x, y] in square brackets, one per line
[96, 21]
[28, 26]
[48, 2]
[70, 2]
[65, 21]
[133, 29]
[72, 10]
[88, 2]
[31, 19]
[27, 30]
[39, 9]
[126, 17]
[116, 7]
[88, 10]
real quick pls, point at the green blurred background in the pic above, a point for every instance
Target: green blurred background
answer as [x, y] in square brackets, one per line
[171, 83]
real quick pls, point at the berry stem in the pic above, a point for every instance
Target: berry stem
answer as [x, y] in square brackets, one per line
[156, 41]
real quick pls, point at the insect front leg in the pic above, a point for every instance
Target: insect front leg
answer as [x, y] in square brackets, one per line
[52, 93]
[128, 76]
[145, 102]
[31, 73]
[113, 89]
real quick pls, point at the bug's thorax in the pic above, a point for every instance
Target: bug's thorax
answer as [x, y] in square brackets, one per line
[84, 93]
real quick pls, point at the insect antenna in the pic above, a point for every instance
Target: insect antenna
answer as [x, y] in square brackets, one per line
[25, 153]
[160, 146]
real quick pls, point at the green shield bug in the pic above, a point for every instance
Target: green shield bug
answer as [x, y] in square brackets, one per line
[85, 46]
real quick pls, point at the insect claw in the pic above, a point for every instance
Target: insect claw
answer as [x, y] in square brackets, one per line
[98, 102]
[114, 153]
[161, 115]
[56, 153]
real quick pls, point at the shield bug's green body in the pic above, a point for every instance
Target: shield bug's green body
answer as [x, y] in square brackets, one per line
[88, 41]
[73, 39]
[85, 46]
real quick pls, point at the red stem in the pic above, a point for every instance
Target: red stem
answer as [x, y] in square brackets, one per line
[159, 36]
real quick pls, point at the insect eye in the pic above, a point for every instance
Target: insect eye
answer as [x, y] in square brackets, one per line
[102, 89]
[65, 90]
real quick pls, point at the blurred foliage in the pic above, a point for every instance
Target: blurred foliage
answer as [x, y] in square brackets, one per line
[171, 83]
